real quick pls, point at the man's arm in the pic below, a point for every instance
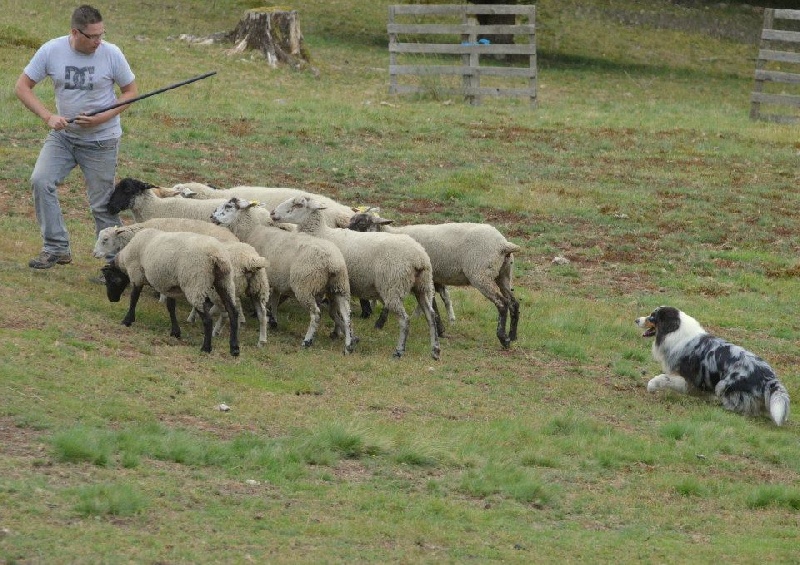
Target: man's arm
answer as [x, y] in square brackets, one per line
[24, 91]
[126, 93]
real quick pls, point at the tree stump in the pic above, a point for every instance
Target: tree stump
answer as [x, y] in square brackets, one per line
[273, 31]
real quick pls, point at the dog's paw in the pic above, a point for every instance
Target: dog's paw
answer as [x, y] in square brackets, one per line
[657, 383]
[667, 382]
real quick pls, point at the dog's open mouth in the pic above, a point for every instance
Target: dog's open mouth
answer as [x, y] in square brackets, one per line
[647, 325]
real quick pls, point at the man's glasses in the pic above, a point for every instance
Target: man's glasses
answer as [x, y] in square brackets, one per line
[93, 37]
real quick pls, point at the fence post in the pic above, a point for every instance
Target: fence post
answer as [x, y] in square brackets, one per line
[471, 80]
[755, 105]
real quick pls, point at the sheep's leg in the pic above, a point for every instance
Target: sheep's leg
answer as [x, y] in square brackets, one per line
[314, 316]
[233, 316]
[502, 315]
[340, 310]
[220, 319]
[130, 317]
[504, 283]
[272, 310]
[396, 306]
[205, 317]
[514, 310]
[382, 317]
[240, 310]
[427, 304]
[436, 317]
[492, 292]
[261, 314]
[445, 294]
[175, 330]
[338, 320]
[366, 308]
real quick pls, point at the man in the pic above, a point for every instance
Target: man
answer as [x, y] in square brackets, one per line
[84, 70]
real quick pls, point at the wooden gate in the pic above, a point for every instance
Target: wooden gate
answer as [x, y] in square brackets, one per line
[459, 48]
[777, 78]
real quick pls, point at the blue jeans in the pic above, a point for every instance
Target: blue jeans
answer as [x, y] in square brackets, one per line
[59, 155]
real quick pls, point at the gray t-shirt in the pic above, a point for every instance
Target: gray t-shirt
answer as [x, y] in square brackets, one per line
[82, 82]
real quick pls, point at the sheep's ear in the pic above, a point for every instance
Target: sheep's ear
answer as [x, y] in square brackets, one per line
[382, 221]
[314, 205]
[251, 204]
[187, 192]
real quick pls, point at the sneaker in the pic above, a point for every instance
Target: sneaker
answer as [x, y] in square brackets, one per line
[45, 260]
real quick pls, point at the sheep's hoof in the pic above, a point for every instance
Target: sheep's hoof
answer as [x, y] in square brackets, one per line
[205, 349]
[505, 342]
[307, 343]
[436, 353]
[176, 335]
[397, 354]
[235, 351]
[262, 343]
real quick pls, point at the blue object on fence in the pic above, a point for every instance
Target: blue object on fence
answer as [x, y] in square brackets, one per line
[484, 41]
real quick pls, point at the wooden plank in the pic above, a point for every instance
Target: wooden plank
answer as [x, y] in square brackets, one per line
[456, 49]
[458, 29]
[785, 99]
[779, 56]
[459, 9]
[779, 118]
[427, 70]
[482, 91]
[777, 76]
[787, 14]
[780, 35]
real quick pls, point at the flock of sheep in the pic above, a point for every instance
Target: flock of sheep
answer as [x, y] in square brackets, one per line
[213, 247]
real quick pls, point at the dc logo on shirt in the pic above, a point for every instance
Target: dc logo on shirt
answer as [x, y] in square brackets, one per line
[79, 78]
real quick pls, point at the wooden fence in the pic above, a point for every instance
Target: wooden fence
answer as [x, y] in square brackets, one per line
[778, 68]
[459, 24]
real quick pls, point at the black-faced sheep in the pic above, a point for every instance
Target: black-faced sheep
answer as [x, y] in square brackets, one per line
[197, 267]
[299, 265]
[381, 266]
[462, 254]
[249, 268]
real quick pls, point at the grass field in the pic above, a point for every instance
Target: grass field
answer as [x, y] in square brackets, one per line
[640, 166]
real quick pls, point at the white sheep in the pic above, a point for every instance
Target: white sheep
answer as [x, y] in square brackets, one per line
[299, 265]
[335, 214]
[249, 268]
[381, 266]
[462, 254]
[249, 279]
[176, 264]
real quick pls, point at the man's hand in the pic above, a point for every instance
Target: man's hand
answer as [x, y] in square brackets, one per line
[89, 121]
[56, 122]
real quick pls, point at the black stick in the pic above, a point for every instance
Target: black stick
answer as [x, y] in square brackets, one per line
[143, 96]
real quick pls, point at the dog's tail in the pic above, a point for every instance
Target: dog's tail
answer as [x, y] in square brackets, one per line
[777, 401]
